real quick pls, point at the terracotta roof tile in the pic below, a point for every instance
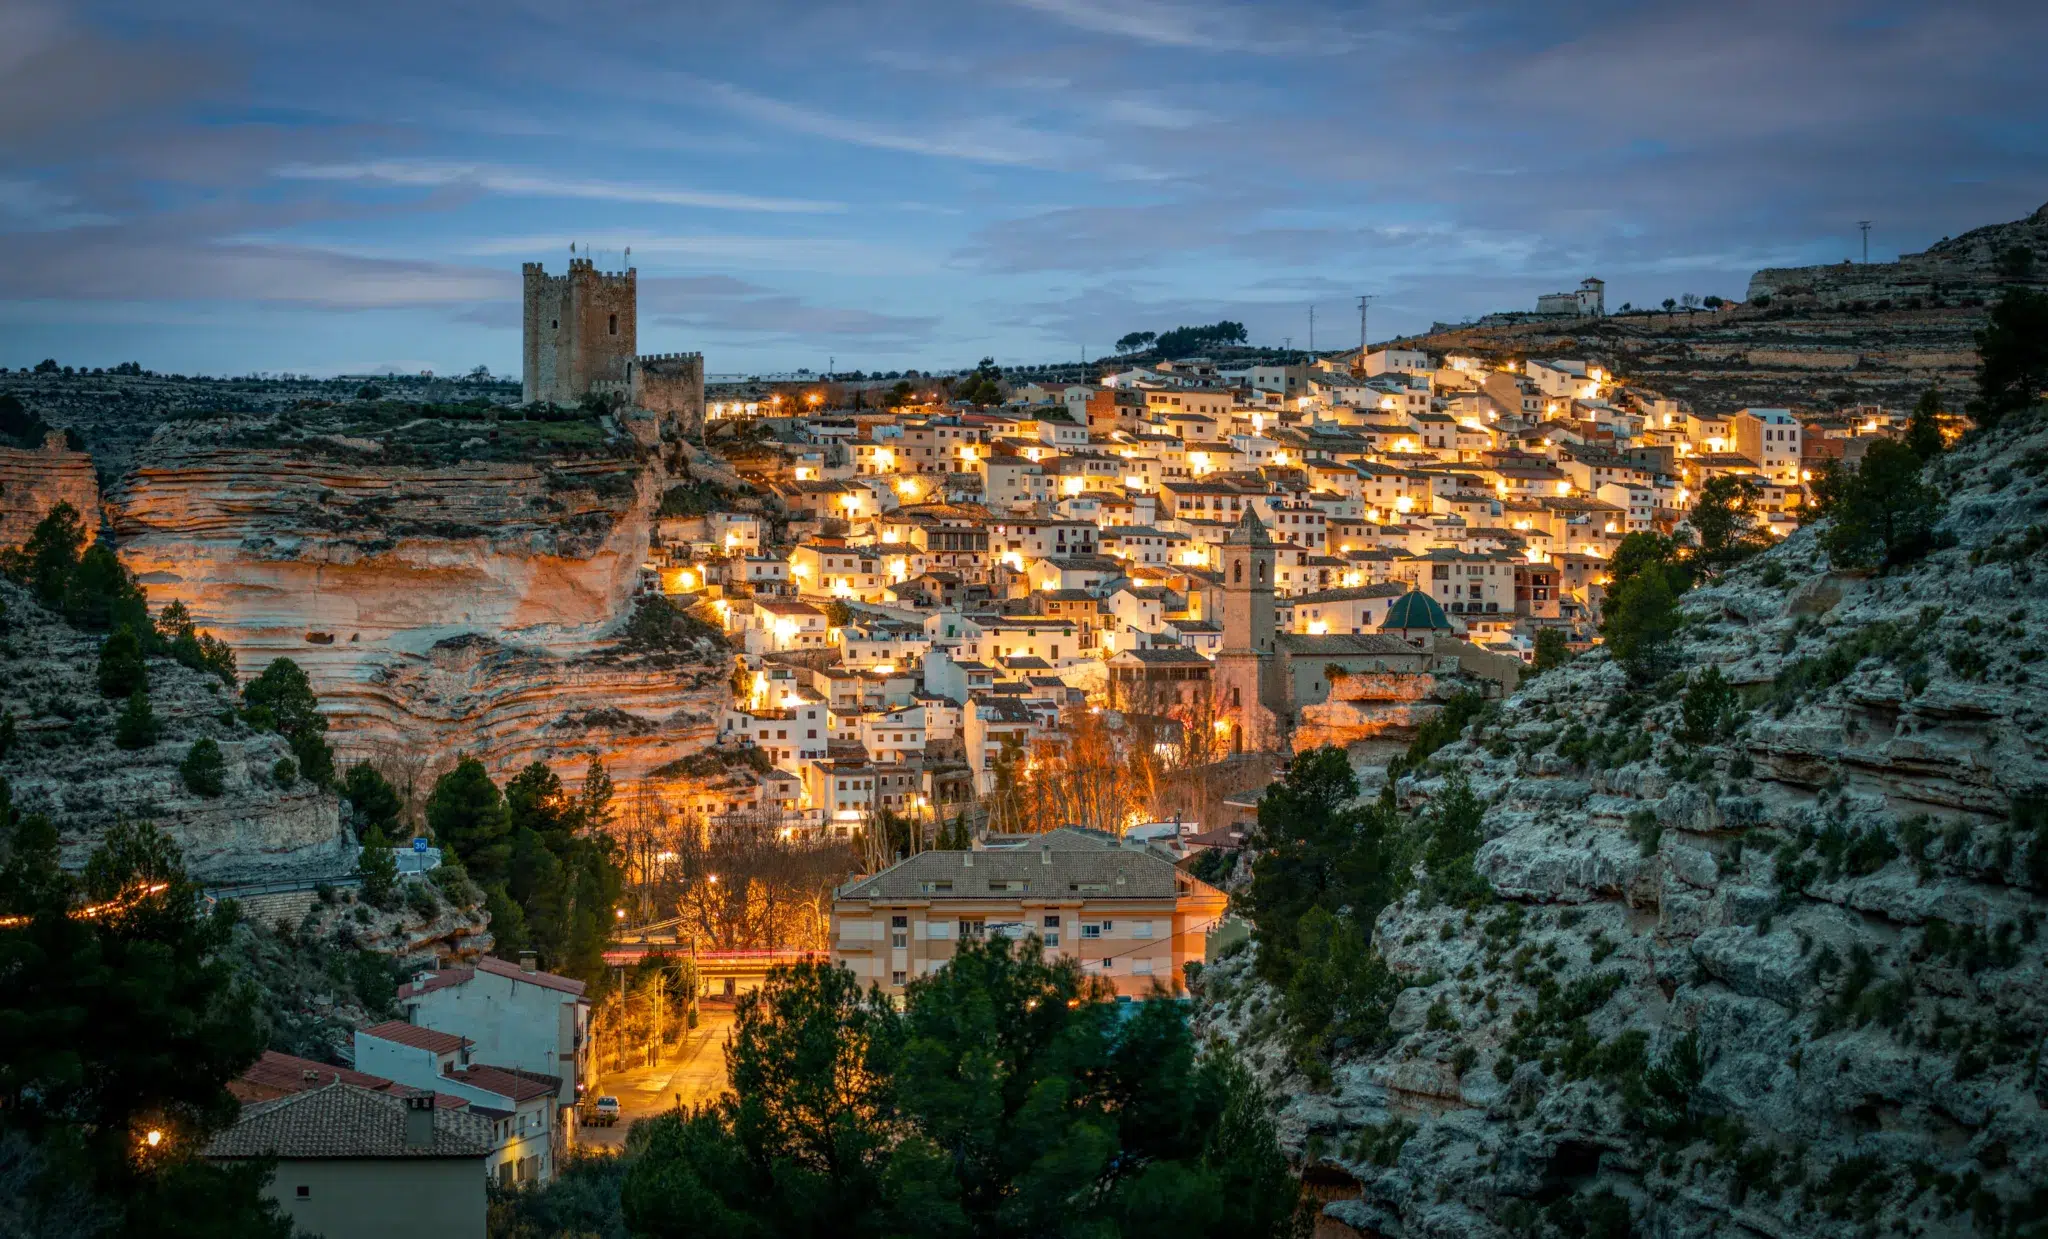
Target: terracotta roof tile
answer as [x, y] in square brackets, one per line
[505, 1082]
[342, 1120]
[415, 1036]
[274, 1074]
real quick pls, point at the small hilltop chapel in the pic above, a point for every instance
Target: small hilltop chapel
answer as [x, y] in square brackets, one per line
[1269, 684]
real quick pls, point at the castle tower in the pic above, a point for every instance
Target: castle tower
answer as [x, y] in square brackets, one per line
[1250, 696]
[580, 331]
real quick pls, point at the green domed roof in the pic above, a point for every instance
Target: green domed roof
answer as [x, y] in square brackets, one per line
[1416, 609]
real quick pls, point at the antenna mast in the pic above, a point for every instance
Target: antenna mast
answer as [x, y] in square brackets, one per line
[1864, 224]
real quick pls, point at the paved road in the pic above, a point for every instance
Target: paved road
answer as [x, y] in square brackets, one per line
[693, 1070]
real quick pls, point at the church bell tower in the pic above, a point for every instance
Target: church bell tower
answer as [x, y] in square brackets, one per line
[1249, 694]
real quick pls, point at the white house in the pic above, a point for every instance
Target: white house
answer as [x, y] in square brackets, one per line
[520, 1108]
[1397, 361]
[516, 1016]
[1770, 437]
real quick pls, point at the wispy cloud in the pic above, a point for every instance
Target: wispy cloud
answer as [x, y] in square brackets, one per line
[990, 140]
[108, 264]
[439, 174]
[1147, 21]
[724, 308]
[1258, 29]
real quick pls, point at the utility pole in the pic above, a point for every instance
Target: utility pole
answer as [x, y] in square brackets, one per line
[1864, 224]
[1311, 329]
[1363, 338]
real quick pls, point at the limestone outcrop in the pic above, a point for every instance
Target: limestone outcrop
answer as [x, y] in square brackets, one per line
[471, 607]
[1813, 941]
[64, 763]
[1976, 262]
[31, 483]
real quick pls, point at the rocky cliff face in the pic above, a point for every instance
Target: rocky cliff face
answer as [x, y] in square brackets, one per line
[466, 607]
[31, 483]
[64, 763]
[1788, 982]
[1974, 263]
[510, 705]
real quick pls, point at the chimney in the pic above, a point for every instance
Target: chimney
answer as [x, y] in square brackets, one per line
[1044, 854]
[309, 1075]
[527, 961]
[967, 860]
[419, 1121]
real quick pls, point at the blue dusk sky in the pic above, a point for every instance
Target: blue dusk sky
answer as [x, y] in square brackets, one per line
[304, 185]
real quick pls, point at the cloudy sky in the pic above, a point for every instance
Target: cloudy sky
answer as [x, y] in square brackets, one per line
[312, 186]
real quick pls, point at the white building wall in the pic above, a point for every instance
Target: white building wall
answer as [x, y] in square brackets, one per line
[512, 1023]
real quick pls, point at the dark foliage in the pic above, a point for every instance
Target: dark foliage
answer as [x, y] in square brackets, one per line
[2012, 348]
[121, 1023]
[1882, 515]
[204, 769]
[282, 700]
[1007, 1098]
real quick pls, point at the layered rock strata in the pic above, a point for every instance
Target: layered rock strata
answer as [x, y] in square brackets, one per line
[31, 483]
[469, 608]
[1820, 931]
[64, 763]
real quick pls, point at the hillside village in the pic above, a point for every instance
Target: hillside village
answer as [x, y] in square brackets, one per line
[1280, 555]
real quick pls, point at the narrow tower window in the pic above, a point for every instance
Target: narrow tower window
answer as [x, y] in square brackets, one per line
[613, 324]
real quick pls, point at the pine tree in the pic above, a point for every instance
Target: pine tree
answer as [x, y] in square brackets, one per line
[45, 562]
[122, 670]
[849, 1117]
[1882, 513]
[377, 865]
[204, 769]
[1923, 429]
[100, 595]
[596, 798]
[120, 1022]
[467, 815]
[281, 700]
[373, 798]
[136, 728]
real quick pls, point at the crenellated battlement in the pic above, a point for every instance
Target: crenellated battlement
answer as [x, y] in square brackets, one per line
[588, 269]
[580, 338]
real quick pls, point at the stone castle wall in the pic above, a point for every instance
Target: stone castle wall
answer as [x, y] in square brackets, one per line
[672, 386]
[579, 330]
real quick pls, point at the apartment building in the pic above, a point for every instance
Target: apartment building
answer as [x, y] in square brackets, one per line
[1119, 908]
